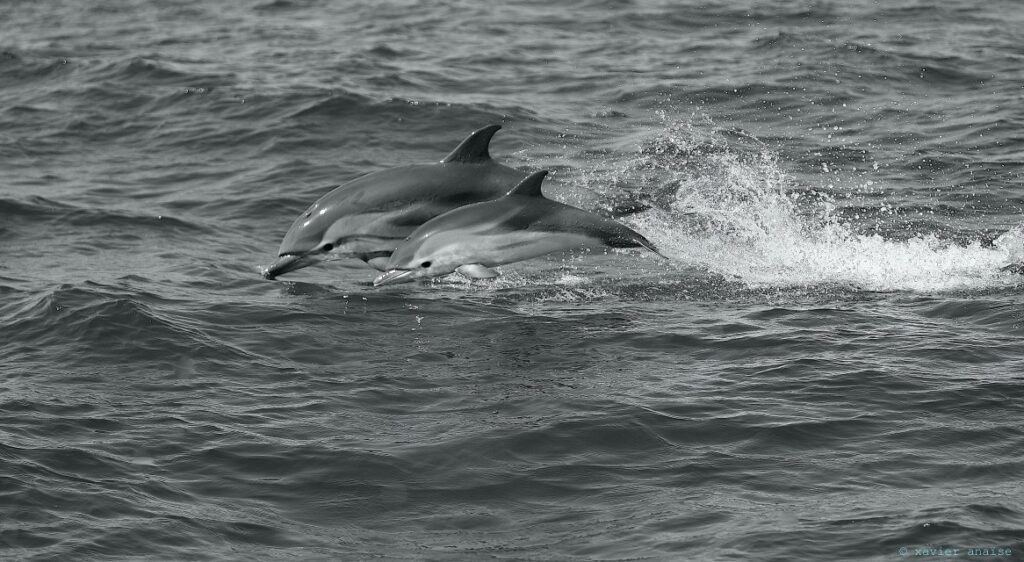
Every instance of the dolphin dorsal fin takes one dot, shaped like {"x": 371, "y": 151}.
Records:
{"x": 474, "y": 148}
{"x": 530, "y": 187}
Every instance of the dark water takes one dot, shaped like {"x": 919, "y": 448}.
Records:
{"x": 829, "y": 367}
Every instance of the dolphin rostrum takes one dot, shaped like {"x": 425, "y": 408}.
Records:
{"x": 367, "y": 217}
{"x": 521, "y": 225}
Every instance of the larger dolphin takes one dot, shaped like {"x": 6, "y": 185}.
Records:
{"x": 519, "y": 226}
{"x": 367, "y": 217}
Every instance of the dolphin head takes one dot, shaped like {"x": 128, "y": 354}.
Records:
{"x": 309, "y": 240}
{"x": 422, "y": 255}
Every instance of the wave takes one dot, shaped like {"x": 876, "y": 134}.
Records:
{"x": 18, "y": 67}
{"x": 80, "y": 324}
{"x": 346, "y": 104}
{"x": 115, "y": 75}
{"x": 157, "y": 70}
{"x": 26, "y": 216}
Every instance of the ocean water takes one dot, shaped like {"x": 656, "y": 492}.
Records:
{"x": 827, "y": 367}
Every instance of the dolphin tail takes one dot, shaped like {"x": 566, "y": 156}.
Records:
{"x": 645, "y": 243}
{"x": 625, "y": 237}
{"x": 1017, "y": 268}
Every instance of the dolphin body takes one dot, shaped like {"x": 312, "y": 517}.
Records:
{"x": 521, "y": 225}
{"x": 367, "y": 217}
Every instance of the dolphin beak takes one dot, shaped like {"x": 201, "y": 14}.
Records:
{"x": 394, "y": 277}
{"x": 287, "y": 263}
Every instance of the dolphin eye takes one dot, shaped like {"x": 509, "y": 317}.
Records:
{"x": 425, "y": 264}
{"x": 327, "y": 247}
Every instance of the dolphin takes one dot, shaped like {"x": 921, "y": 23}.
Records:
{"x": 367, "y": 217}
{"x": 521, "y": 225}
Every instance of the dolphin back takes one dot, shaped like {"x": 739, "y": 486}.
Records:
{"x": 552, "y": 216}
{"x": 542, "y": 214}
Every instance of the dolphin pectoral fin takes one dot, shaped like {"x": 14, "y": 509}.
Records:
{"x": 474, "y": 148}
{"x": 394, "y": 276}
{"x": 476, "y": 271}
{"x": 379, "y": 263}
{"x": 377, "y": 260}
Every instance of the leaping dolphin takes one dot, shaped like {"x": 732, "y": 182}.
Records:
{"x": 367, "y": 217}
{"x": 521, "y": 225}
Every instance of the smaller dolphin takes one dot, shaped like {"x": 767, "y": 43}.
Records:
{"x": 521, "y": 225}
{"x": 367, "y": 217}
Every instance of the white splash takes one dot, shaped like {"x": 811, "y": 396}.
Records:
{"x": 735, "y": 212}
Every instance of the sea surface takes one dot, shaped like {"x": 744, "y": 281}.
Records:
{"x": 828, "y": 366}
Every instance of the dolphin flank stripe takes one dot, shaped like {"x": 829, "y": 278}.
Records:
{"x": 362, "y": 237}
